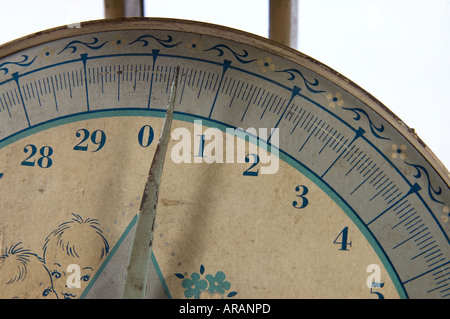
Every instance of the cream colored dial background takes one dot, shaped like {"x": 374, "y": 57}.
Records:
{"x": 209, "y": 214}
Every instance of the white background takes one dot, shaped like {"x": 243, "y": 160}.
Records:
{"x": 397, "y": 50}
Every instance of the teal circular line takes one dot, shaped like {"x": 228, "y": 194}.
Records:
{"x": 159, "y": 113}
{"x": 332, "y": 194}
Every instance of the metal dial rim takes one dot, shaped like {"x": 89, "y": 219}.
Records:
{"x": 240, "y": 37}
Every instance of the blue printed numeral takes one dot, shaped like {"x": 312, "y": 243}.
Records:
{"x": 302, "y": 200}
{"x": 248, "y": 171}
{"x": 343, "y": 235}
{"x": 44, "y": 161}
{"x": 98, "y": 138}
{"x": 146, "y": 136}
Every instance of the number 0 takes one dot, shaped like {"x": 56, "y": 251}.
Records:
{"x": 146, "y": 135}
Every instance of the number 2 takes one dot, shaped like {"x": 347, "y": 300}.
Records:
{"x": 248, "y": 171}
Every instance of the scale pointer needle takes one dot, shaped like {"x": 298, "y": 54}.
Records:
{"x": 139, "y": 262}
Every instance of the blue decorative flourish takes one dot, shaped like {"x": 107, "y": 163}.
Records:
{"x": 165, "y": 43}
{"x": 308, "y": 84}
{"x": 24, "y": 62}
{"x": 240, "y": 57}
{"x": 431, "y": 189}
{"x": 93, "y": 45}
{"x": 374, "y": 129}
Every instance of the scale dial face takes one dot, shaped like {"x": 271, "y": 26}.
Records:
{"x": 282, "y": 179}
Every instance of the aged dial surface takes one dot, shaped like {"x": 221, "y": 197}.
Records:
{"x": 283, "y": 179}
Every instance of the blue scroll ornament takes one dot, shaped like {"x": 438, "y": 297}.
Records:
{"x": 94, "y": 45}
{"x": 22, "y": 63}
{"x": 431, "y": 189}
{"x": 374, "y": 129}
{"x": 168, "y": 43}
{"x": 220, "y": 48}
{"x": 308, "y": 84}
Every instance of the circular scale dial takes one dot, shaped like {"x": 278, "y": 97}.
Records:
{"x": 282, "y": 178}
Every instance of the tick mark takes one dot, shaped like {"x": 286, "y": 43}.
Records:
{"x": 359, "y": 132}
{"x": 414, "y": 189}
{"x": 226, "y": 65}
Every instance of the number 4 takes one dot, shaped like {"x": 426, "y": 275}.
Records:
{"x": 344, "y": 239}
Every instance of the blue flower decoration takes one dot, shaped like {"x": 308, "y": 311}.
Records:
{"x": 194, "y": 286}
{"x": 218, "y": 283}
{"x": 213, "y": 284}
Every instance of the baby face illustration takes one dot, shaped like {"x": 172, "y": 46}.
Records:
{"x": 24, "y": 276}
{"x": 72, "y": 254}
{"x": 70, "y": 278}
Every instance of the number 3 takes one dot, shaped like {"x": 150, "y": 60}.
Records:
{"x": 304, "y": 201}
